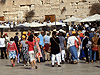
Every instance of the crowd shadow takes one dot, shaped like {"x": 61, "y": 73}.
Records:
{"x": 49, "y": 65}
{"x": 97, "y": 66}
{"x": 11, "y": 65}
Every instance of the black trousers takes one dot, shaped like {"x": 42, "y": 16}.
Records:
{"x": 86, "y": 54}
{"x": 3, "y": 50}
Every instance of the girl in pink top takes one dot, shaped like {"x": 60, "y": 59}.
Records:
{"x": 11, "y": 50}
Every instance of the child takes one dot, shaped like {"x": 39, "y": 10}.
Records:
{"x": 12, "y": 49}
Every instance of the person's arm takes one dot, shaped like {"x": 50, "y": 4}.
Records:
{"x": 65, "y": 44}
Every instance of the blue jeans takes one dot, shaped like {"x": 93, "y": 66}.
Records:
{"x": 90, "y": 50}
{"x": 43, "y": 55}
{"x": 94, "y": 58}
{"x": 82, "y": 54}
{"x": 73, "y": 51}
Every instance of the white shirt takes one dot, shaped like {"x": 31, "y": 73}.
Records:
{"x": 2, "y": 42}
{"x": 71, "y": 40}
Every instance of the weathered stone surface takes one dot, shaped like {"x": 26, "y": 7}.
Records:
{"x": 46, "y": 7}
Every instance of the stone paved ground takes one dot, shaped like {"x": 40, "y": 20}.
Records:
{"x": 44, "y": 68}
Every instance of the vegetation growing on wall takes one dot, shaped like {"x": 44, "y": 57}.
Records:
{"x": 95, "y": 9}
{"x": 2, "y": 1}
{"x": 29, "y": 15}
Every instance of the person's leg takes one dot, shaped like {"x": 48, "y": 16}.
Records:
{"x": 45, "y": 55}
{"x": 2, "y": 53}
{"x": 5, "y": 52}
{"x": 42, "y": 58}
{"x": 90, "y": 55}
{"x": 75, "y": 55}
{"x": 35, "y": 64}
{"x": 63, "y": 55}
{"x": 60, "y": 55}
{"x": 24, "y": 63}
{"x": 11, "y": 61}
{"x": 14, "y": 62}
{"x": 94, "y": 58}
{"x": 78, "y": 52}
{"x": 38, "y": 59}
{"x": 32, "y": 65}
{"x": 72, "y": 54}
{"x": 53, "y": 59}
{"x": 86, "y": 53}
{"x": 99, "y": 51}
{"x": 48, "y": 56}
{"x": 58, "y": 58}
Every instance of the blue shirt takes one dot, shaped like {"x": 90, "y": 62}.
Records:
{"x": 41, "y": 40}
{"x": 47, "y": 39}
{"x": 91, "y": 35}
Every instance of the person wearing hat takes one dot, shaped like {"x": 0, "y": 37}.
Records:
{"x": 73, "y": 50}
{"x": 63, "y": 46}
{"x": 84, "y": 45}
{"x": 95, "y": 47}
{"x": 24, "y": 33}
{"x": 91, "y": 34}
{"x": 55, "y": 49}
{"x": 24, "y": 49}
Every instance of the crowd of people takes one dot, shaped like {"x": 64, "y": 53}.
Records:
{"x": 56, "y": 46}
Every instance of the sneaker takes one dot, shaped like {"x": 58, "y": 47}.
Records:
{"x": 28, "y": 63}
{"x": 24, "y": 65}
{"x": 32, "y": 68}
{"x": 59, "y": 65}
{"x": 52, "y": 65}
{"x": 36, "y": 67}
{"x": 13, "y": 65}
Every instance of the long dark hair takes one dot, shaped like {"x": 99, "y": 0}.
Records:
{"x": 30, "y": 38}
{"x": 53, "y": 33}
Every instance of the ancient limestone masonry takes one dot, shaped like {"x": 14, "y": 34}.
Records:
{"x": 16, "y": 9}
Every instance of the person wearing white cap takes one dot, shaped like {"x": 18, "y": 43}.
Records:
{"x": 63, "y": 46}
{"x": 91, "y": 34}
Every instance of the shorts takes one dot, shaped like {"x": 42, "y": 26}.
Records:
{"x": 32, "y": 56}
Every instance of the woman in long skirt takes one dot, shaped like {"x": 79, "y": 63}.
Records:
{"x": 24, "y": 50}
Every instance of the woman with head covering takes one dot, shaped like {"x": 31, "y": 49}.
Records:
{"x": 24, "y": 50}
{"x": 84, "y": 45}
{"x": 94, "y": 46}
{"x": 73, "y": 50}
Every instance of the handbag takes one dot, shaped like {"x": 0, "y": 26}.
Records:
{"x": 57, "y": 43}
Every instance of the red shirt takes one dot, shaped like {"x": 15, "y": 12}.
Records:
{"x": 31, "y": 45}
{"x": 12, "y": 47}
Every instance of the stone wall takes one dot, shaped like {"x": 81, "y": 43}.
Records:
{"x": 16, "y": 9}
